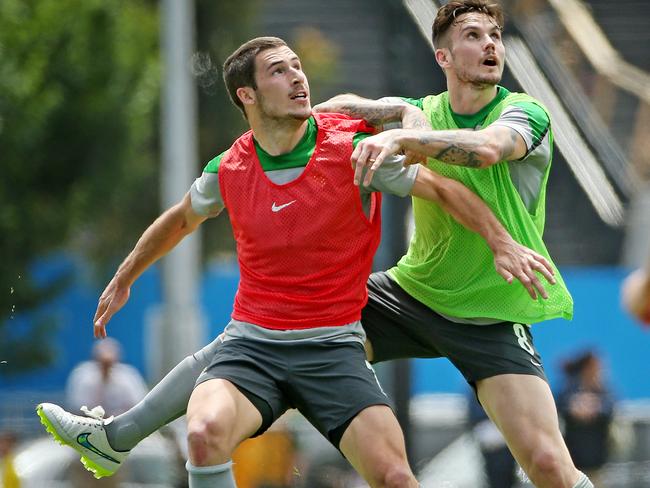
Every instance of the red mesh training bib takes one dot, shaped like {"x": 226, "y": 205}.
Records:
{"x": 305, "y": 248}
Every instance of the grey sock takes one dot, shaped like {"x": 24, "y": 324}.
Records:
{"x": 219, "y": 476}
{"x": 583, "y": 482}
{"x": 165, "y": 402}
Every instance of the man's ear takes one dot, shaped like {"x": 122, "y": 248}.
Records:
{"x": 442, "y": 57}
{"x": 246, "y": 95}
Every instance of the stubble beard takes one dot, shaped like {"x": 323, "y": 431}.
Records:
{"x": 478, "y": 80}
{"x": 275, "y": 117}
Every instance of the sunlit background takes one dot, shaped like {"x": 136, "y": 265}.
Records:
{"x": 109, "y": 110}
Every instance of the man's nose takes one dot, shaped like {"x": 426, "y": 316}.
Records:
{"x": 297, "y": 76}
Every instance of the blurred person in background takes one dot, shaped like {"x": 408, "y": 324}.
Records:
{"x": 103, "y": 386}
{"x": 586, "y": 405}
{"x": 498, "y": 462}
{"x": 8, "y": 476}
{"x": 168, "y": 399}
{"x": 105, "y": 381}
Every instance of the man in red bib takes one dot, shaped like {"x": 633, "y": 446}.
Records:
{"x": 305, "y": 239}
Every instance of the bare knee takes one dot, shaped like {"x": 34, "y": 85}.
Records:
{"x": 547, "y": 467}
{"x": 208, "y": 442}
{"x": 398, "y": 475}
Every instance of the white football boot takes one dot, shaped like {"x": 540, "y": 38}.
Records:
{"x": 84, "y": 434}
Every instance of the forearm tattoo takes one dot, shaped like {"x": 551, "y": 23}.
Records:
{"x": 461, "y": 153}
{"x": 459, "y": 156}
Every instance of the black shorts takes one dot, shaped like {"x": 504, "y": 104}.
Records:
{"x": 399, "y": 326}
{"x": 328, "y": 382}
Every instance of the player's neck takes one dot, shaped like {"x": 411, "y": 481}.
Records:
{"x": 468, "y": 99}
{"x": 278, "y": 136}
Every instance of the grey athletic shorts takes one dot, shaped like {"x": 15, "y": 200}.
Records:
{"x": 399, "y": 326}
{"x": 328, "y": 382}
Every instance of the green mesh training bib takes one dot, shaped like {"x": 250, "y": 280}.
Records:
{"x": 451, "y": 269}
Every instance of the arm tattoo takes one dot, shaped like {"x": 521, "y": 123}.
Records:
{"x": 457, "y": 155}
{"x": 414, "y": 118}
{"x": 461, "y": 153}
{"x": 375, "y": 114}
{"x": 418, "y": 123}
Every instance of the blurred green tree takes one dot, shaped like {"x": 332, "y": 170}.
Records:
{"x": 79, "y": 91}
{"x": 79, "y": 140}
{"x": 221, "y": 28}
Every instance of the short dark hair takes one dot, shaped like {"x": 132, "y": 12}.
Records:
{"x": 239, "y": 68}
{"x": 448, "y": 14}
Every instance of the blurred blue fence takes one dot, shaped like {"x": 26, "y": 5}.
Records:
{"x": 599, "y": 323}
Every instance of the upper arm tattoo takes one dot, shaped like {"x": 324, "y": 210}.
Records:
{"x": 374, "y": 113}
{"x": 416, "y": 122}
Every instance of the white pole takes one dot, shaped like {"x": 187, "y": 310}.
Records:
{"x": 179, "y": 324}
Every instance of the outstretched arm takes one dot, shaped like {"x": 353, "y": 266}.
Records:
{"x": 474, "y": 149}
{"x": 376, "y": 112}
{"x": 511, "y": 259}
{"x": 159, "y": 238}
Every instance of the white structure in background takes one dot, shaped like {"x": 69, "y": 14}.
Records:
{"x": 176, "y": 328}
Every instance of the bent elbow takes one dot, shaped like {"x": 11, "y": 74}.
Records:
{"x": 189, "y": 225}
{"x": 490, "y": 154}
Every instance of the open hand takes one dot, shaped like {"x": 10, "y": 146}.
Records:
{"x": 514, "y": 261}
{"x": 371, "y": 152}
{"x": 111, "y": 300}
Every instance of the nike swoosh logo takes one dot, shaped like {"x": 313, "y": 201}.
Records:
{"x": 535, "y": 363}
{"x": 83, "y": 440}
{"x": 277, "y": 208}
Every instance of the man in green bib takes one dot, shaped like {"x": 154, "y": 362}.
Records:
{"x": 443, "y": 298}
